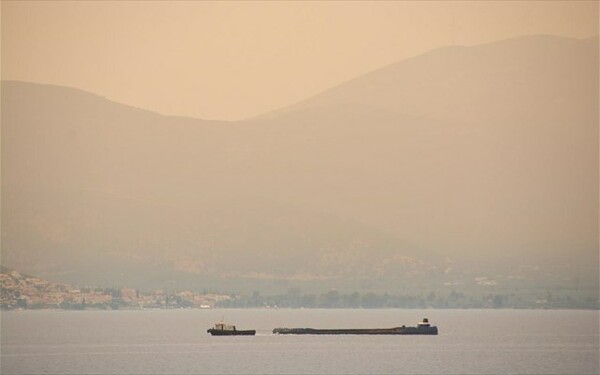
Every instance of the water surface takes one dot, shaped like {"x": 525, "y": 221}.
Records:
{"x": 176, "y": 342}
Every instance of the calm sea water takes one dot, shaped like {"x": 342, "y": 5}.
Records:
{"x": 176, "y": 342}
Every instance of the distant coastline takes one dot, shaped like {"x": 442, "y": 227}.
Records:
{"x": 23, "y": 292}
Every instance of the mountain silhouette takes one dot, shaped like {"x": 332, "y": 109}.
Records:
{"x": 486, "y": 153}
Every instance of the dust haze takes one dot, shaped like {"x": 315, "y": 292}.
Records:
{"x": 430, "y": 159}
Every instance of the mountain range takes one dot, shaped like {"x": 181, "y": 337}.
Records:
{"x": 458, "y": 163}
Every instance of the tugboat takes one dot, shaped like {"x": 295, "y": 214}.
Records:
{"x": 422, "y": 328}
{"x": 222, "y": 329}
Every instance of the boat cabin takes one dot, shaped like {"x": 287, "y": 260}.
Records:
{"x": 423, "y": 323}
{"x": 221, "y": 326}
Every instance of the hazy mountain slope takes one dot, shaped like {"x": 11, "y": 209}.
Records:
{"x": 492, "y": 148}
{"x": 489, "y": 152}
{"x": 514, "y": 79}
{"x": 100, "y": 193}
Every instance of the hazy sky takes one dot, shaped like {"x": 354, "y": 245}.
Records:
{"x": 233, "y": 60}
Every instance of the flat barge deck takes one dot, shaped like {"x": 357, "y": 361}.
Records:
{"x": 422, "y": 328}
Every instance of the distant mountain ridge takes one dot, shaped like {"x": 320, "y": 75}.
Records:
{"x": 484, "y": 153}
{"x": 397, "y": 88}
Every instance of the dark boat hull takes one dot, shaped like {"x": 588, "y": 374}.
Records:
{"x": 374, "y": 331}
{"x": 220, "y": 332}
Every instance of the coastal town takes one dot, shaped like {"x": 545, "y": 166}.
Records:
{"x": 20, "y": 291}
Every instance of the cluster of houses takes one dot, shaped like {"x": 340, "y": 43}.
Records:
{"x": 20, "y": 291}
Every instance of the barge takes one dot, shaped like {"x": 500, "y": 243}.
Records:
{"x": 422, "y": 328}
